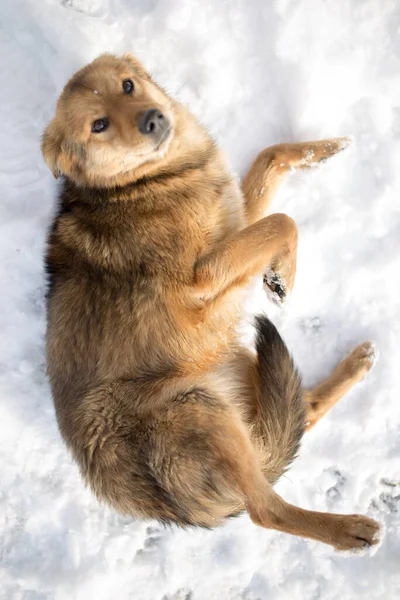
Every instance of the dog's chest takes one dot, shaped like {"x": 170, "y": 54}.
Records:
{"x": 233, "y": 208}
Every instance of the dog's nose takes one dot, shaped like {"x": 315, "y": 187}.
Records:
{"x": 153, "y": 122}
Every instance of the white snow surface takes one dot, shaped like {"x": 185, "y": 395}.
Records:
{"x": 256, "y": 72}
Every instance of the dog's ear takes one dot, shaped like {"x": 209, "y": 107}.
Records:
{"x": 63, "y": 156}
{"x": 51, "y": 146}
{"x": 136, "y": 65}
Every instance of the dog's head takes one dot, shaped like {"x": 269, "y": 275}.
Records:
{"x": 111, "y": 120}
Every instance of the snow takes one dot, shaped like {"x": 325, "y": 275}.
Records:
{"x": 256, "y": 73}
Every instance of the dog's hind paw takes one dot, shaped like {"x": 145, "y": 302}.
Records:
{"x": 356, "y": 532}
{"x": 361, "y": 360}
{"x": 274, "y": 287}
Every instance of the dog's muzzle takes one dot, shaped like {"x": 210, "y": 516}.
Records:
{"x": 153, "y": 123}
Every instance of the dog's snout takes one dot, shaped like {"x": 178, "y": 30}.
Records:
{"x": 153, "y": 122}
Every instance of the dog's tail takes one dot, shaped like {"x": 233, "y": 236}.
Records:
{"x": 281, "y": 417}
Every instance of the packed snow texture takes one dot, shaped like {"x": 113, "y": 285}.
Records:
{"x": 256, "y": 72}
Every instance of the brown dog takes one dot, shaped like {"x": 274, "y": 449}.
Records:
{"x": 167, "y": 415}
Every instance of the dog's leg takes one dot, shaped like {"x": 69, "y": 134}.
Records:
{"x": 238, "y": 468}
{"x": 271, "y": 242}
{"x": 343, "y": 532}
{"x": 349, "y": 372}
{"x": 272, "y": 165}
{"x": 267, "y": 509}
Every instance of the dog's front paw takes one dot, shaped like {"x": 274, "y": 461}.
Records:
{"x": 275, "y": 287}
{"x": 319, "y": 152}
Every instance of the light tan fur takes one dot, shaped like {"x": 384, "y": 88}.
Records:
{"x": 167, "y": 415}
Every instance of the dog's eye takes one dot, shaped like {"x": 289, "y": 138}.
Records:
{"x": 100, "y": 125}
{"x": 127, "y": 86}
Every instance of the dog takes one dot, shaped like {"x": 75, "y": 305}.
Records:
{"x": 166, "y": 413}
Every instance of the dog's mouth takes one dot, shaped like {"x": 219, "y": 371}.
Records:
{"x": 166, "y": 136}
{"x": 133, "y": 158}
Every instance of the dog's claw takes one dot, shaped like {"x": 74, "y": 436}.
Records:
{"x": 274, "y": 287}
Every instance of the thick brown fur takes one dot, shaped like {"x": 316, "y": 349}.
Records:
{"x": 167, "y": 415}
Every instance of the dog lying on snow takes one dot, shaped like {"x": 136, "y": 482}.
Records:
{"x": 167, "y": 415}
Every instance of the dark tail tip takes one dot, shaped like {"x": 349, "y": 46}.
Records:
{"x": 281, "y": 404}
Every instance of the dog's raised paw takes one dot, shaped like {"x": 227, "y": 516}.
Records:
{"x": 316, "y": 153}
{"x": 274, "y": 287}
